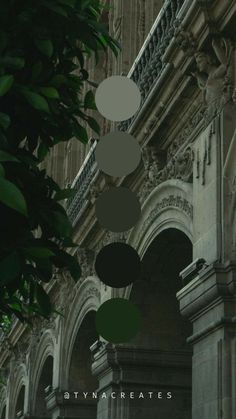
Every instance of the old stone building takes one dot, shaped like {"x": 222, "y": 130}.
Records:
{"x": 182, "y": 55}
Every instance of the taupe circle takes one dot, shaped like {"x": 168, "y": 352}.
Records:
{"x": 118, "y": 98}
{"x": 118, "y": 209}
{"x": 118, "y": 154}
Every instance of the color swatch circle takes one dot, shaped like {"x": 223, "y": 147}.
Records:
{"x": 118, "y": 98}
{"x": 118, "y": 265}
{"x": 118, "y": 209}
{"x": 118, "y": 320}
{"x": 118, "y": 154}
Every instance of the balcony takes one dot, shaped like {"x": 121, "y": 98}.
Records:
{"x": 146, "y": 72}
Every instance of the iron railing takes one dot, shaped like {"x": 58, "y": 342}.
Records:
{"x": 146, "y": 70}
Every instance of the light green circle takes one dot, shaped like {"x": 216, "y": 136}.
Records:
{"x": 118, "y": 98}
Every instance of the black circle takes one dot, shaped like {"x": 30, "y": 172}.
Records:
{"x": 118, "y": 265}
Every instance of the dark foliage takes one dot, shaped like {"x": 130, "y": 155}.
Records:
{"x": 43, "y": 44}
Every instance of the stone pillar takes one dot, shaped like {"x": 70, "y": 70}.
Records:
{"x": 209, "y": 301}
{"x": 209, "y": 298}
{"x": 142, "y": 383}
{"x": 65, "y": 405}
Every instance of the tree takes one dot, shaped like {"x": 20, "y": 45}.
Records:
{"x": 42, "y": 49}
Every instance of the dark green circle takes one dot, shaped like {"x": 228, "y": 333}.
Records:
{"x": 118, "y": 320}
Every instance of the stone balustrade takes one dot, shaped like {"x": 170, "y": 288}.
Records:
{"x": 145, "y": 71}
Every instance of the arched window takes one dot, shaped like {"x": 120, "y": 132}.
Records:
{"x": 45, "y": 380}
{"x": 164, "y": 332}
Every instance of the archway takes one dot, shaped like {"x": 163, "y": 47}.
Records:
{"x": 19, "y": 410}
{"x": 45, "y": 380}
{"x": 162, "y": 339}
{"x": 80, "y": 378}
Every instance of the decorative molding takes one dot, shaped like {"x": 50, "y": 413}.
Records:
{"x": 204, "y": 159}
{"x": 92, "y": 291}
{"x": 86, "y": 258}
{"x": 171, "y": 201}
{"x": 179, "y": 166}
{"x": 141, "y": 21}
{"x": 185, "y": 39}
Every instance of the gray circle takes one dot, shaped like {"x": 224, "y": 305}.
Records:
{"x": 118, "y": 209}
{"x": 118, "y": 98}
{"x": 118, "y": 154}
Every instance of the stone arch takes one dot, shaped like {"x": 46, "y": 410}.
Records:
{"x": 42, "y": 370}
{"x": 163, "y": 234}
{"x": 86, "y": 300}
{"x": 168, "y": 206}
{"x": 18, "y": 384}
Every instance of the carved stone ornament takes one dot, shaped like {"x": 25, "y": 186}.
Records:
{"x": 185, "y": 39}
{"x": 86, "y": 258}
{"x": 202, "y": 160}
{"x": 178, "y": 166}
{"x": 171, "y": 201}
{"x": 214, "y": 76}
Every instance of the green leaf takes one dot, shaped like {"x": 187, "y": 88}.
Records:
{"x": 15, "y": 63}
{"x": 68, "y": 242}
{"x": 73, "y": 267}
{"x": 12, "y": 197}
{"x": 43, "y": 300}
{"x": 89, "y": 101}
{"x": 44, "y": 269}
{"x": 5, "y": 84}
{"x": 94, "y": 125}
{"x": 38, "y": 252}
{"x": 61, "y": 224}
{"x": 84, "y": 74}
{"x": 80, "y": 132}
{"x": 3, "y": 40}
{"x": 2, "y": 171}
{"x": 36, "y": 70}
{"x": 70, "y": 3}
{"x": 85, "y": 3}
{"x": 42, "y": 151}
{"x": 4, "y": 120}
{"x": 4, "y": 156}
{"x": 65, "y": 260}
{"x": 36, "y": 101}
{"x": 57, "y": 9}
{"x": 45, "y": 46}
{"x": 3, "y": 140}
{"x": 50, "y": 92}
{"x": 58, "y": 80}
{"x": 9, "y": 268}
{"x": 64, "y": 194}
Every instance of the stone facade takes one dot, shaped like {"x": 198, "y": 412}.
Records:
{"x": 183, "y": 361}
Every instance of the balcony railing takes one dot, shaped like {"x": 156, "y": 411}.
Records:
{"x": 146, "y": 70}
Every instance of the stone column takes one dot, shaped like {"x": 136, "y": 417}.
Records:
{"x": 209, "y": 301}
{"x": 209, "y": 298}
{"x": 62, "y": 404}
{"x": 136, "y": 382}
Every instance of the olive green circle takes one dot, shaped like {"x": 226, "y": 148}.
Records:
{"x": 118, "y": 154}
{"x": 118, "y": 209}
{"x": 118, "y": 98}
{"x": 118, "y": 320}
